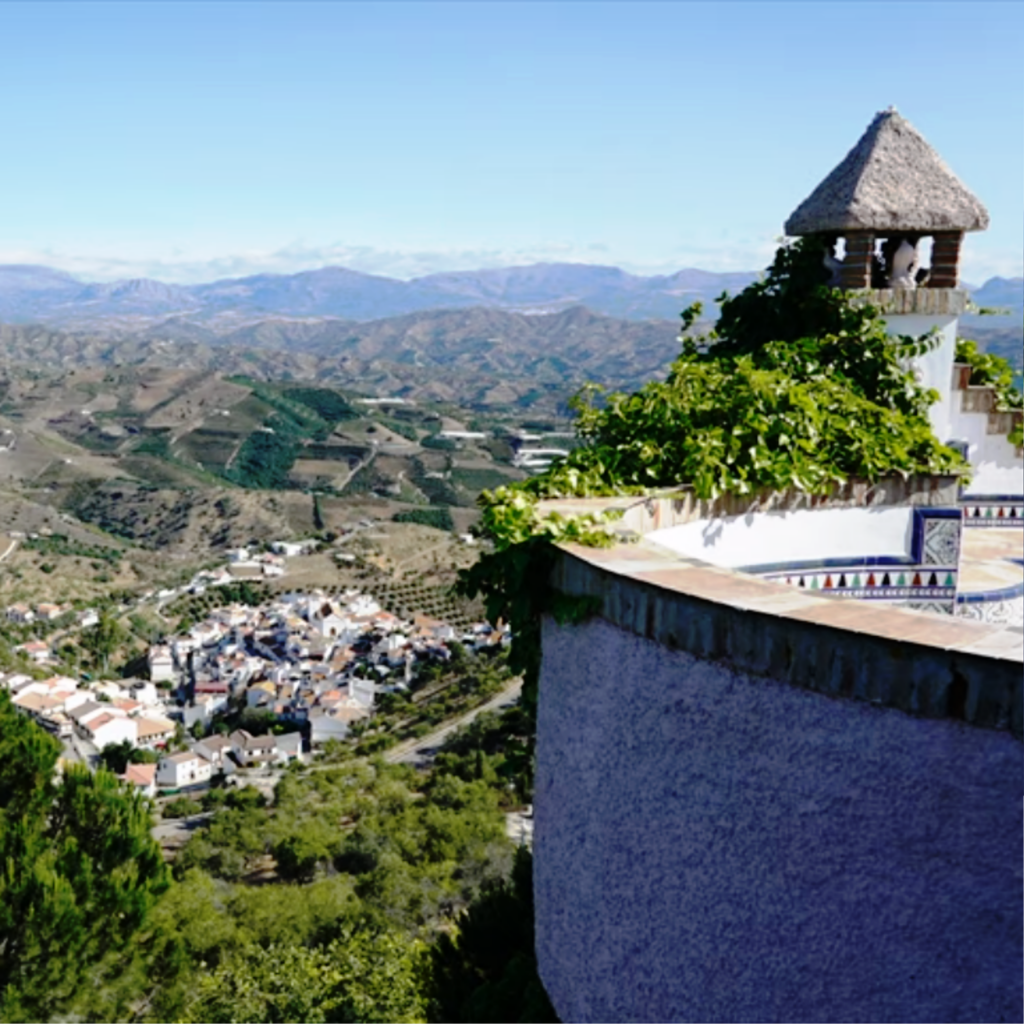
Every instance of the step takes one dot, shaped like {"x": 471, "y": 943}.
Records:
{"x": 1000, "y": 422}
{"x": 961, "y": 376}
{"x": 978, "y": 398}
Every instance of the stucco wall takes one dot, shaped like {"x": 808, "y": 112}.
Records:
{"x": 935, "y": 368}
{"x": 997, "y": 469}
{"x": 714, "y": 846}
{"x": 793, "y": 536}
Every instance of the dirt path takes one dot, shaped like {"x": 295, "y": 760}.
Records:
{"x": 10, "y": 549}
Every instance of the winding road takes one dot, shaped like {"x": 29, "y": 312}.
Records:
{"x": 421, "y": 751}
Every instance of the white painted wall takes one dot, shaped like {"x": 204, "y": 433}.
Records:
{"x": 997, "y": 470}
{"x": 936, "y": 367}
{"x": 711, "y": 846}
{"x": 189, "y": 772}
{"x": 115, "y": 731}
{"x": 802, "y": 536}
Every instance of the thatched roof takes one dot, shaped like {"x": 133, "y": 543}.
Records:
{"x": 892, "y": 180}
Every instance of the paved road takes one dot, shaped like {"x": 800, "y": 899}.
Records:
{"x": 81, "y": 751}
{"x": 421, "y": 751}
{"x": 10, "y": 549}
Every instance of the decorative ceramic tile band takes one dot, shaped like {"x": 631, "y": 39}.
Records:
{"x": 879, "y": 579}
{"x": 989, "y": 512}
{"x": 914, "y": 588}
{"x": 925, "y": 579}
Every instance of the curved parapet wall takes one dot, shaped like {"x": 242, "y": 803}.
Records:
{"x": 897, "y": 554}
{"x": 756, "y": 803}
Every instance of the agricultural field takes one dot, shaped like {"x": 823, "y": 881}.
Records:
{"x": 190, "y": 464}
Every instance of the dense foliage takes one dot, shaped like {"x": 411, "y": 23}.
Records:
{"x": 486, "y": 971}
{"x": 79, "y": 871}
{"x": 439, "y": 518}
{"x": 798, "y": 387}
{"x": 301, "y": 414}
{"x": 116, "y": 757}
{"x": 327, "y": 404}
{"x": 326, "y": 903}
{"x": 266, "y": 456}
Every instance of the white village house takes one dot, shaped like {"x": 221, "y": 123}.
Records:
{"x": 188, "y": 768}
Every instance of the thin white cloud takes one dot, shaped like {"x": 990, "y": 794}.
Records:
{"x": 979, "y": 262}
{"x": 178, "y": 267}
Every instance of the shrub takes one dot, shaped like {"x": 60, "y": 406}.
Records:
{"x": 438, "y": 518}
{"x": 181, "y": 807}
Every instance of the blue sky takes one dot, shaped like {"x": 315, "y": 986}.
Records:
{"x": 189, "y": 141}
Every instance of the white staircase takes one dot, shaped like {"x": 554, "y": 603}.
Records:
{"x": 977, "y": 421}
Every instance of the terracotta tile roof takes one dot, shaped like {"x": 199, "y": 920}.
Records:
{"x": 153, "y": 727}
{"x": 182, "y": 757}
{"x": 101, "y": 720}
{"x": 140, "y": 774}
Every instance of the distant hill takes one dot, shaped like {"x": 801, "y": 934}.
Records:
{"x": 482, "y": 358}
{"x": 29, "y": 293}
{"x": 524, "y": 336}
{"x": 1002, "y": 292}
{"x": 207, "y": 311}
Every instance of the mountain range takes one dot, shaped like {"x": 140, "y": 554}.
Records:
{"x": 518, "y": 335}
{"x": 44, "y": 295}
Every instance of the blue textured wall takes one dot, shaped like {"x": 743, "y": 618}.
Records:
{"x": 715, "y": 847}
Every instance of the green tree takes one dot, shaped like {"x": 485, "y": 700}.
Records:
{"x": 798, "y": 386}
{"x": 299, "y": 854}
{"x": 117, "y": 756}
{"x": 103, "y": 639}
{"x": 181, "y": 807}
{"x": 487, "y": 969}
{"x": 363, "y": 976}
{"x": 79, "y": 870}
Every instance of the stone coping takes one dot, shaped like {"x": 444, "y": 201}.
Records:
{"x": 923, "y": 301}
{"x": 661, "y": 509}
{"x": 923, "y": 664}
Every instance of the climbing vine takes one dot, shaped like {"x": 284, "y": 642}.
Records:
{"x": 796, "y": 387}
{"x": 515, "y": 578}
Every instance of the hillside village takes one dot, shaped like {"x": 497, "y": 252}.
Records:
{"x": 305, "y": 666}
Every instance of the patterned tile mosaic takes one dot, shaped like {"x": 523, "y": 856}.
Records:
{"x": 935, "y": 607}
{"x": 926, "y": 579}
{"x": 941, "y": 545}
{"x": 1002, "y": 613}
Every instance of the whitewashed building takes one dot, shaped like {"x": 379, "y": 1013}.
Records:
{"x": 188, "y": 768}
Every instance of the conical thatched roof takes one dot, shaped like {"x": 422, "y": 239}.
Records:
{"x": 892, "y": 180}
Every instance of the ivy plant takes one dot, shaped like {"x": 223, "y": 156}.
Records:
{"x": 798, "y": 386}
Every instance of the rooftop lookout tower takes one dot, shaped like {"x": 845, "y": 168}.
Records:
{"x": 889, "y": 200}
{"x": 890, "y": 192}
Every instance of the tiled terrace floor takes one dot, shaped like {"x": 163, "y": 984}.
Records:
{"x": 987, "y": 559}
